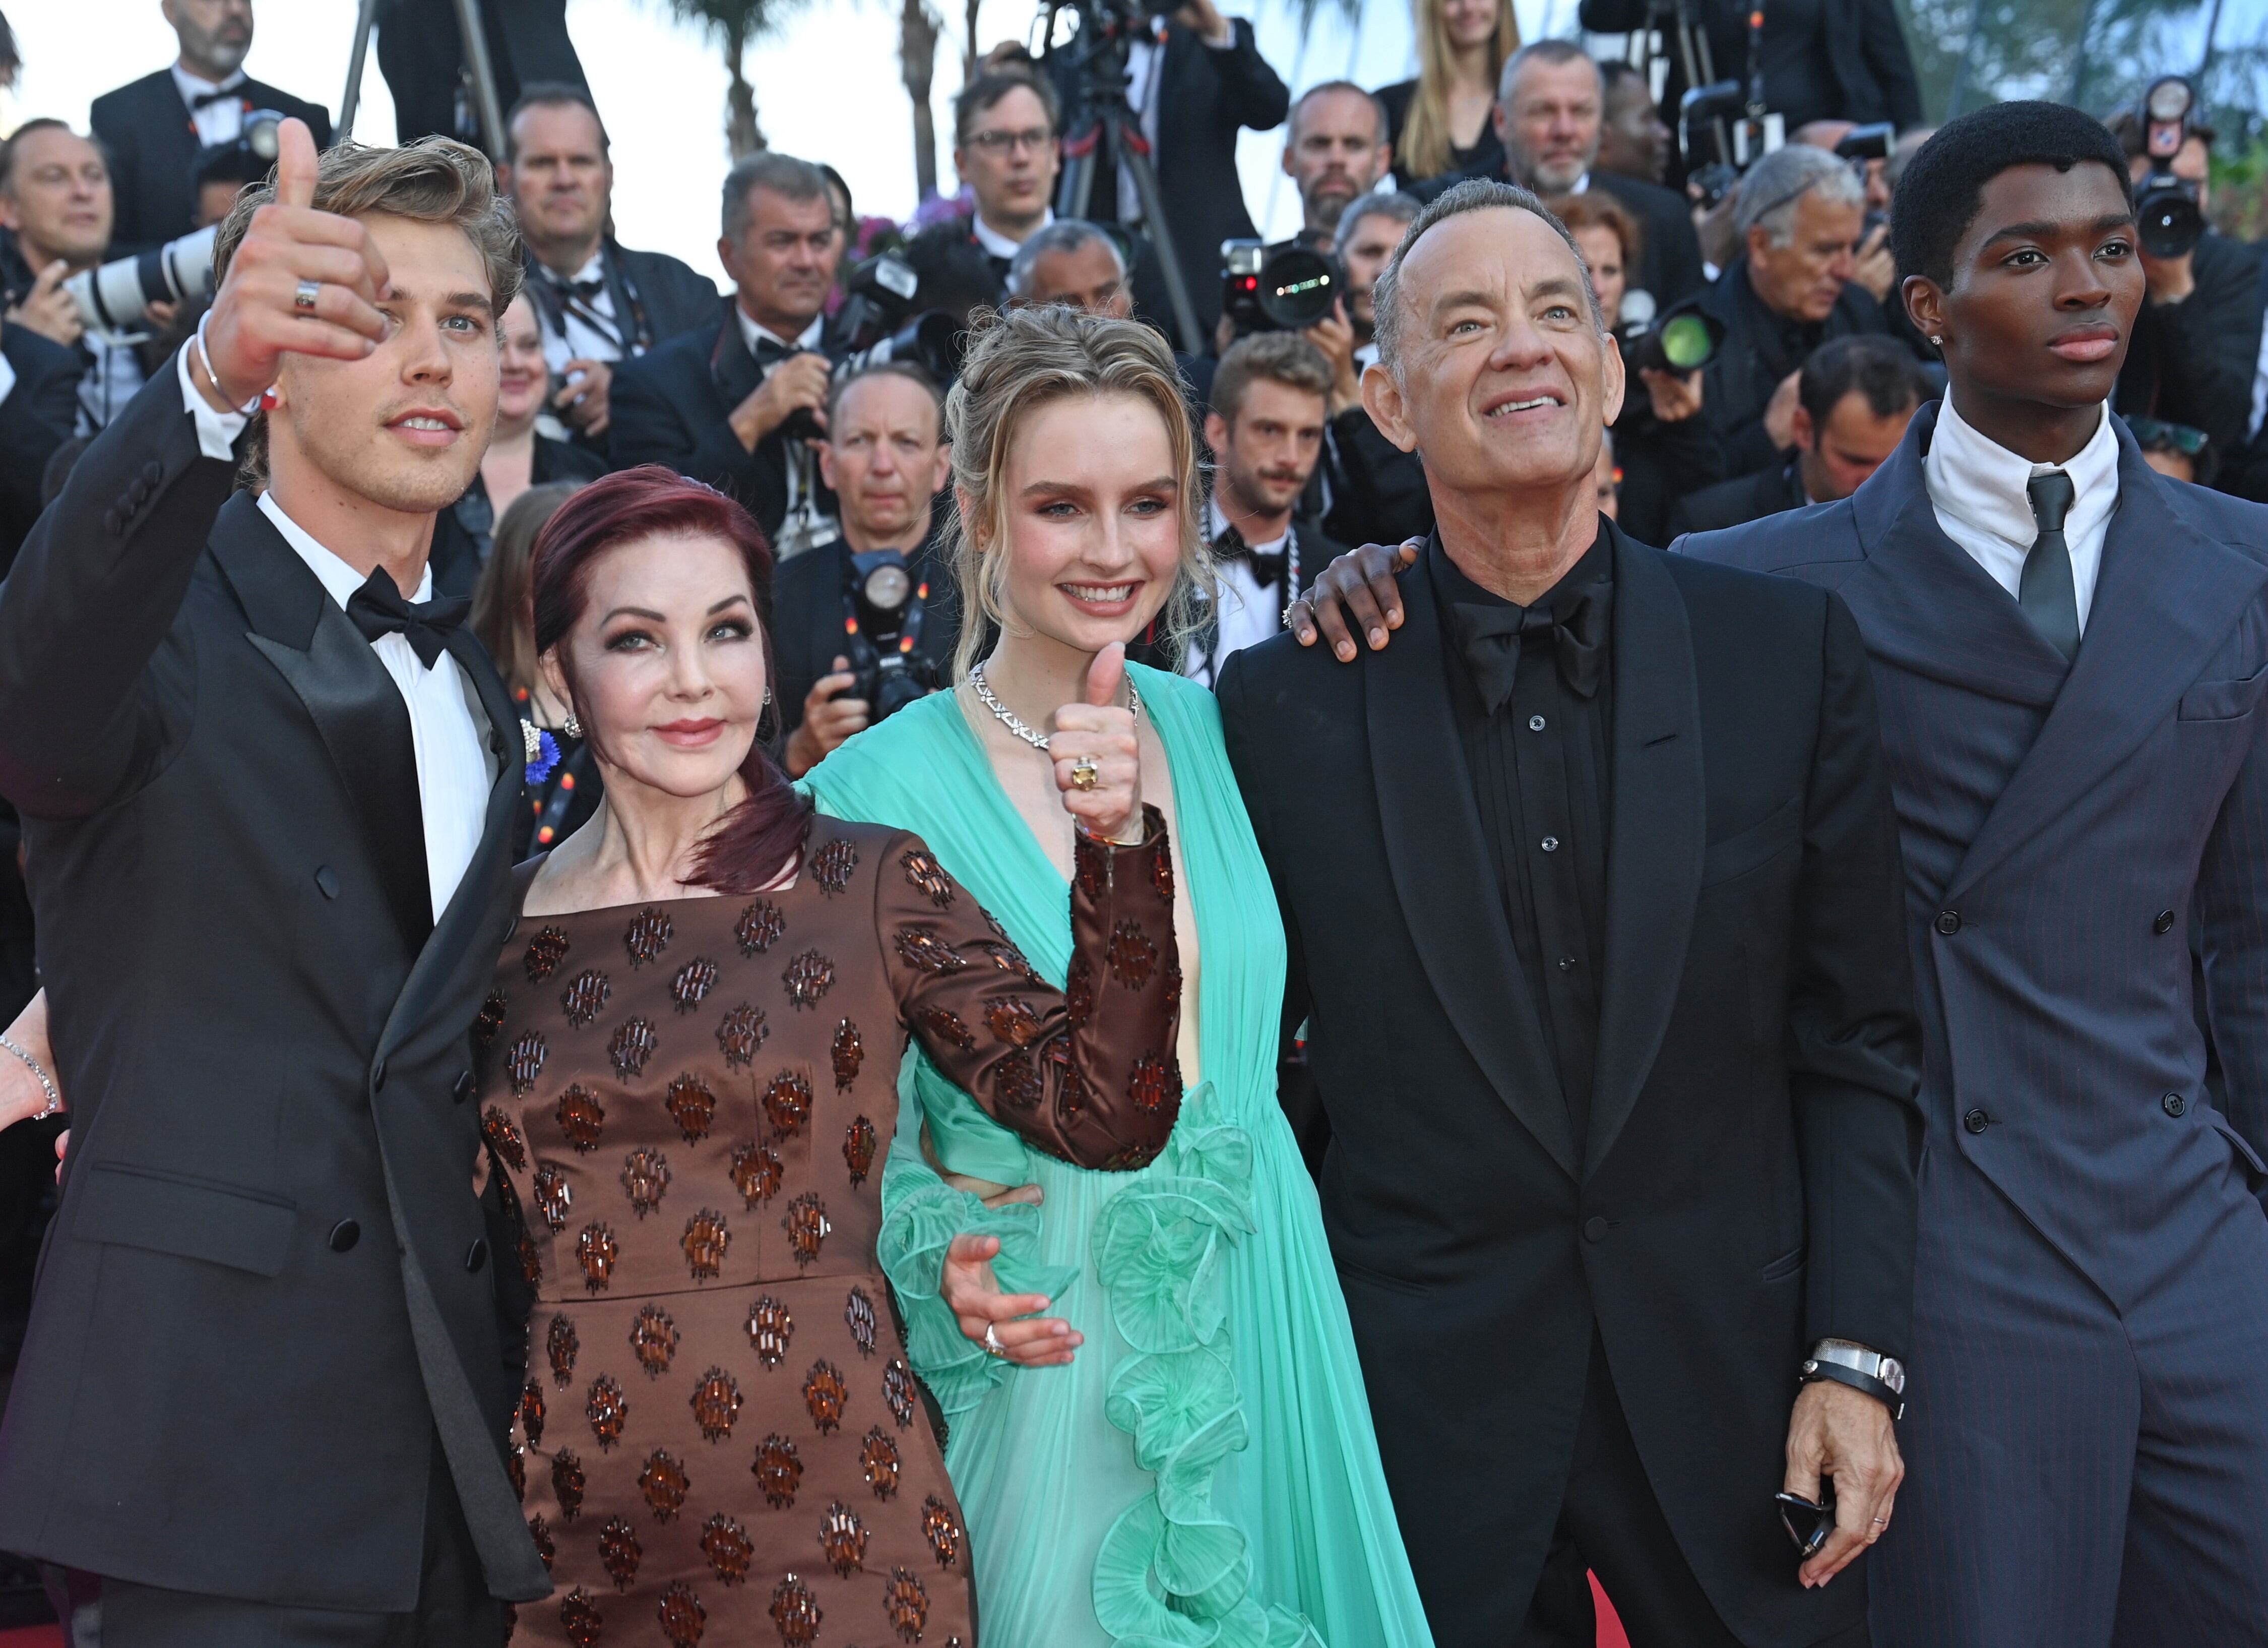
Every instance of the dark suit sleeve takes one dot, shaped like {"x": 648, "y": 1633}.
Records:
{"x": 38, "y": 415}
{"x": 648, "y": 424}
{"x": 1854, "y": 1044}
{"x": 1680, "y": 251}
{"x": 1377, "y": 490}
{"x": 1251, "y": 92}
{"x": 1884, "y": 43}
{"x": 2232, "y": 916}
{"x": 2203, "y": 382}
{"x": 93, "y": 592}
{"x": 111, "y": 119}
{"x": 1611, "y": 16}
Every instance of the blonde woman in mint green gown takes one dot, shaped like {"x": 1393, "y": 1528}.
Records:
{"x": 1203, "y": 1470}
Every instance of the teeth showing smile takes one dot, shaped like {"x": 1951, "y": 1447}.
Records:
{"x": 424, "y": 422}
{"x": 1524, "y": 406}
{"x": 1100, "y": 594}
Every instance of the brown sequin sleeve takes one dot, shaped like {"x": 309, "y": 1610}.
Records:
{"x": 1087, "y": 1073}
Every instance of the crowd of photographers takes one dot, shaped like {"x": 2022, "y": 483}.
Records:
{"x": 1772, "y": 365}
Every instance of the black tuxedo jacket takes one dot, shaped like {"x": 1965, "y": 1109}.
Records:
{"x": 269, "y": 1284}
{"x": 38, "y": 415}
{"x": 1746, "y": 1185}
{"x": 1736, "y": 502}
{"x": 153, "y": 148}
{"x": 672, "y": 405}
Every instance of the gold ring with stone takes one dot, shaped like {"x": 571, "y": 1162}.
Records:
{"x": 1085, "y": 775}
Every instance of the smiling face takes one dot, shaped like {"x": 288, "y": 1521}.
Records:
{"x": 1093, "y": 520}
{"x": 2045, "y": 292}
{"x": 405, "y": 427}
{"x": 666, "y": 665}
{"x": 521, "y": 378}
{"x": 1469, "y": 23}
{"x": 1503, "y": 381}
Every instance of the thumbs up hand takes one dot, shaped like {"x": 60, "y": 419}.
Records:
{"x": 1097, "y": 760}
{"x": 257, "y": 317}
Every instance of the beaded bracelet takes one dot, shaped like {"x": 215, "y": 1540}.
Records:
{"x": 47, "y": 1084}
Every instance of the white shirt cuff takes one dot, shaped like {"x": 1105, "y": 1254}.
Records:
{"x": 217, "y": 432}
{"x": 7, "y": 376}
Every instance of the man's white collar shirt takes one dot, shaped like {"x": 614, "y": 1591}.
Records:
{"x": 997, "y": 244}
{"x": 453, "y": 771}
{"x": 1248, "y": 614}
{"x": 752, "y": 334}
{"x": 1976, "y": 490}
{"x": 221, "y": 121}
{"x": 1146, "y": 63}
{"x": 576, "y": 338}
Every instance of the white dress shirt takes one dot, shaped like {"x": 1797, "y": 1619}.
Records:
{"x": 577, "y": 339}
{"x": 221, "y": 121}
{"x": 1248, "y": 614}
{"x": 997, "y": 244}
{"x": 752, "y": 334}
{"x": 1976, "y": 490}
{"x": 1145, "y": 63}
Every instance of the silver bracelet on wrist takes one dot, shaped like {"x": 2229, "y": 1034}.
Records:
{"x": 46, "y": 1083}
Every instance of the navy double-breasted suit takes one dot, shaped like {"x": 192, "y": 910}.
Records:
{"x": 2088, "y": 1436}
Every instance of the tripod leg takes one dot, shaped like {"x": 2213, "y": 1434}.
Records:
{"x": 483, "y": 73}
{"x": 1153, "y": 225}
{"x": 364, "y": 17}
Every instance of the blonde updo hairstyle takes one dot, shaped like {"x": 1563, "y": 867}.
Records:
{"x": 1025, "y": 359}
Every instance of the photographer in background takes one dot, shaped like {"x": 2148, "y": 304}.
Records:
{"x": 1072, "y": 262}
{"x": 1266, "y": 430}
{"x": 596, "y": 301}
{"x": 55, "y": 206}
{"x": 1853, "y": 400}
{"x": 154, "y": 128}
{"x": 1377, "y": 492}
{"x": 1335, "y": 150}
{"x": 885, "y": 458}
{"x": 1007, "y": 146}
{"x": 1801, "y": 218}
{"x": 731, "y": 403}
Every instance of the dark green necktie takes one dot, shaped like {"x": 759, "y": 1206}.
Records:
{"x": 2046, "y": 593}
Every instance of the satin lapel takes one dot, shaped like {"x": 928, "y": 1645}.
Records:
{"x": 459, "y": 932}
{"x": 731, "y": 366}
{"x": 353, "y": 702}
{"x": 1440, "y": 868}
{"x": 2168, "y": 592}
{"x": 1656, "y": 834}
{"x": 1922, "y": 601}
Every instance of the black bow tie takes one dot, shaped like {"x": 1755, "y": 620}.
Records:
{"x": 206, "y": 99}
{"x": 1270, "y": 567}
{"x": 588, "y": 291}
{"x": 377, "y": 609}
{"x": 1493, "y": 637}
{"x": 771, "y": 351}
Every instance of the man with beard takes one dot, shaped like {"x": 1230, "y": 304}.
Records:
{"x": 269, "y": 791}
{"x": 1335, "y": 152}
{"x": 154, "y": 126}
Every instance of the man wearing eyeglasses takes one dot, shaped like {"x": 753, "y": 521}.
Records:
{"x": 1007, "y": 148}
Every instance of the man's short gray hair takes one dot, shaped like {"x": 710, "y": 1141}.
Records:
{"x": 1065, "y": 235}
{"x": 1553, "y": 52}
{"x": 1475, "y": 194}
{"x": 1775, "y": 186}
{"x": 1331, "y": 87}
{"x": 1401, "y": 207}
{"x": 782, "y": 174}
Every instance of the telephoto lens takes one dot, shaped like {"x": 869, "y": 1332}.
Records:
{"x": 1286, "y": 287}
{"x": 113, "y": 298}
{"x": 1681, "y": 341}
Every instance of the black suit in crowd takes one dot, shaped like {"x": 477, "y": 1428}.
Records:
{"x": 1608, "y": 1008}
{"x": 464, "y": 532}
{"x": 153, "y": 149}
{"x": 673, "y": 405}
{"x": 38, "y": 415}
{"x": 810, "y": 593}
{"x": 1378, "y": 492}
{"x": 2188, "y": 363}
{"x": 1736, "y": 502}
{"x": 1661, "y": 463}
{"x": 263, "y": 1364}
{"x": 2244, "y": 467}
{"x": 422, "y": 55}
{"x": 1669, "y": 255}
{"x": 1205, "y": 96}
{"x": 655, "y": 297}
{"x": 1762, "y": 347}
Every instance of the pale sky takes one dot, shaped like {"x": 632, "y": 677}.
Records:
{"x": 827, "y": 89}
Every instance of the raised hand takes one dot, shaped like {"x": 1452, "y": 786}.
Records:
{"x": 256, "y": 319}
{"x": 1097, "y": 761}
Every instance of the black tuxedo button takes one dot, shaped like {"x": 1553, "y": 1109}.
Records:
{"x": 465, "y": 1086}
{"x": 1976, "y": 1121}
{"x": 328, "y": 879}
{"x": 140, "y": 491}
{"x": 114, "y": 522}
{"x": 1566, "y": 963}
{"x": 477, "y": 1254}
{"x": 377, "y": 1078}
{"x": 2175, "y": 1104}
{"x": 153, "y": 473}
{"x": 344, "y": 1235}
{"x": 2164, "y": 924}
{"x": 1948, "y": 922}
{"x": 1595, "y": 1228}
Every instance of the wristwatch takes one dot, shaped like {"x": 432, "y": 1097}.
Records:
{"x": 1881, "y": 1377}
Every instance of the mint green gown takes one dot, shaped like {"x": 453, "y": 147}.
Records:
{"x": 1205, "y": 1473}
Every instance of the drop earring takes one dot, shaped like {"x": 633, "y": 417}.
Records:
{"x": 572, "y": 728}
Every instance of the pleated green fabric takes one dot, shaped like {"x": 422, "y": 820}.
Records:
{"x": 1204, "y": 1474}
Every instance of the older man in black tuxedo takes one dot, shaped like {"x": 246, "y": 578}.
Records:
{"x": 1591, "y": 884}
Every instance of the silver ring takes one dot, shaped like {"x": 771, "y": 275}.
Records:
{"x": 992, "y": 1345}
{"x": 306, "y": 295}
{"x": 1881, "y": 1522}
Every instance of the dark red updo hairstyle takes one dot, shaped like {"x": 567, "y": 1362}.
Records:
{"x": 762, "y": 837}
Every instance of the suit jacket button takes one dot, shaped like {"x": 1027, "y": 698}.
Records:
{"x": 377, "y": 1077}
{"x": 2164, "y": 924}
{"x": 2175, "y": 1104}
{"x": 153, "y": 472}
{"x": 344, "y": 1235}
{"x": 477, "y": 1254}
{"x": 328, "y": 879}
{"x": 1976, "y": 1121}
{"x": 112, "y": 522}
{"x": 1595, "y": 1228}
{"x": 466, "y": 1086}
{"x": 1948, "y": 922}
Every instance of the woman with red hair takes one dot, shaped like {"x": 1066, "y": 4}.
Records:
{"x": 688, "y": 1069}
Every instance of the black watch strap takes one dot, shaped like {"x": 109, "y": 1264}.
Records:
{"x": 1857, "y": 1381}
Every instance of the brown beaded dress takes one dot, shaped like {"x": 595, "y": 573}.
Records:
{"x": 689, "y": 1102}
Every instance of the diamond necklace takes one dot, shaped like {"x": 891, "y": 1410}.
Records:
{"x": 1014, "y": 723}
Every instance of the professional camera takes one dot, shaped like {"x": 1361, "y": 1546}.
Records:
{"x": 2165, "y": 206}
{"x": 1681, "y": 340}
{"x": 882, "y": 323}
{"x": 1861, "y": 146}
{"x": 1286, "y": 287}
{"x": 882, "y": 613}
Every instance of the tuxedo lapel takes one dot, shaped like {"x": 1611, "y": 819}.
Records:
{"x": 1439, "y": 864}
{"x": 732, "y": 368}
{"x": 347, "y": 694}
{"x": 2168, "y": 591}
{"x": 1657, "y": 833}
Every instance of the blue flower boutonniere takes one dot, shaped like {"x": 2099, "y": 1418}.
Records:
{"x": 542, "y": 751}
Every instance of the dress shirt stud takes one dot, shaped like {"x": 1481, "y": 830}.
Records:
{"x": 1536, "y": 723}
{"x": 1550, "y": 844}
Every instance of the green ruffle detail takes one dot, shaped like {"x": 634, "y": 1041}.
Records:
{"x": 1173, "y": 1572}
{"x": 925, "y": 1215}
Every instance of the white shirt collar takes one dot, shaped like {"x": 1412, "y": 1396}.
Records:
{"x": 595, "y": 270}
{"x": 339, "y": 579}
{"x": 1981, "y": 484}
{"x": 751, "y": 333}
{"x": 1217, "y": 523}
{"x": 996, "y": 243}
{"x": 193, "y": 87}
